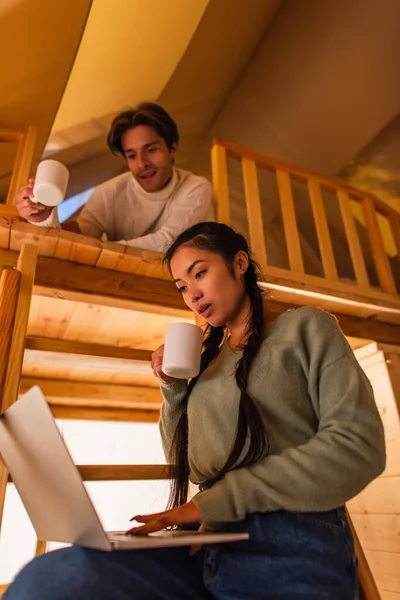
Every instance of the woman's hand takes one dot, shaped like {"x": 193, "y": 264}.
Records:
{"x": 156, "y": 365}
{"x": 187, "y": 513}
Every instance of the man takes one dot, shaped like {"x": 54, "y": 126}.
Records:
{"x": 146, "y": 207}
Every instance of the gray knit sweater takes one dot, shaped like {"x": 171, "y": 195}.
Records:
{"x": 326, "y": 440}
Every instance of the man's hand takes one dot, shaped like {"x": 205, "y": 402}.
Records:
{"x": 32, "y": 211}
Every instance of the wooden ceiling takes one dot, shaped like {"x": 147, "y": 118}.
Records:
{"x": 39, "y": 43}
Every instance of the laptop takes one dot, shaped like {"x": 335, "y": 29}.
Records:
{"x": 52, "y": 491}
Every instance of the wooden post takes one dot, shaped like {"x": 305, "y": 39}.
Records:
{"x": 27, "y": 267}
{"x": 220, "y": 183}
{"x": 41, "y": 547}
{"x": 290, "y": 222}
{"x": 352, "y": 238}
{"x": 9, "y": 287}
{"x": 23, "y": 162}
{"x": 377, "y": 247}
{"x": 254, "y": 213}
{"x": 321, "y": 226}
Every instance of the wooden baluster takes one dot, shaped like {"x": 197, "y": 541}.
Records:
{"x": 290, "y": 222}
{"x": 9, "y": 287}
{"x": 27, "y": 267}
{"x": 41, "y": 547}
{"x": 321, "y": 226}
{"x": 22, "y": 165}
{"x": 395, "y": 227}
{"x": 381, "y": 260}
{"x": 220, "y": 184}
{"x": 353, "y": 240}
{"x": 254, "y": 213}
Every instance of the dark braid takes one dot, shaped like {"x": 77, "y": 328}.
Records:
{"x": 248, "y": 419}
{"x": 220, "y": 238}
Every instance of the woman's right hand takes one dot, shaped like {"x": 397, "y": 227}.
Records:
{"x": 31, "y": 211}
{"x": 156, "y": 365}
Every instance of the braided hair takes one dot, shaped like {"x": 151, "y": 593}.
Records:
{"x": 223, "y": 240}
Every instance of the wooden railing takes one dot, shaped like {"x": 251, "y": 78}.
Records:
{"x": 25, "y": 136}
{"x": 372, "y": 209}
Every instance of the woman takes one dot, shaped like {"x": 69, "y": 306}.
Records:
{"x": 279, "y": 430}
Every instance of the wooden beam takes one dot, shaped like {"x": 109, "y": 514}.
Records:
{"x": 5, "y": 229}
{"x": 39, "y": 358}
{"x": 124, "y": 472}
{"x": 83, "y": 283}
{"x": 45, "y": 344}
{"x": 104, "y": 414}
{"x": 80, "y": 393}
{"x": 56, "y": 274}
{"x": 41, "y": 351}
{"x": 8, "y": 212}
{"x": 10, "y": 134}
{"x": 296, "y": 284}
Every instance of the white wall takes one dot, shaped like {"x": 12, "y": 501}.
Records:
{"x": 92, "y": 442}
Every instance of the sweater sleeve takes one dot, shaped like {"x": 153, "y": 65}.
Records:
{"x": 184, "y": 212}
{"x": 51, "y": 221}
{"x": 346, "y": 453}
{"x": 94, "y": 218}
{"x": 171, "y": 411}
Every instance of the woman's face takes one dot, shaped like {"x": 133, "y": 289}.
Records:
{"x": 207, "y": 285}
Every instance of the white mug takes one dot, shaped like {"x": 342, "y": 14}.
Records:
{"x": 182, "y": 350}
{"x": 50, "y": 183}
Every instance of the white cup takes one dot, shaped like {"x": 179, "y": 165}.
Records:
{"x": 50, "y": 183}
{"x": 182, "y": 350}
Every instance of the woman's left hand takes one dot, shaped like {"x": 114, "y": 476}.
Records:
{"x": 187, "y": 513}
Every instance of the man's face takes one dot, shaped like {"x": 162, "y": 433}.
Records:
{"x": 148, "y": 157}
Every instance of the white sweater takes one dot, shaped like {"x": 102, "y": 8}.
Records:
{"x": 126, "y": 213}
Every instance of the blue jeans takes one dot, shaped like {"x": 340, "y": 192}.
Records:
{"x": 290, "y": 556}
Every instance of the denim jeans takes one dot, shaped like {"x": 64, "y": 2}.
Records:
{"x": 290, "y": 556}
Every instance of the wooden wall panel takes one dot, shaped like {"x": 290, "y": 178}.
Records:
{"x": 376, "y": 511}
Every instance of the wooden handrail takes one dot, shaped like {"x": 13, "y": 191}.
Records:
{"x": 371, "y": 210}
{"x": 273, "y": 164}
